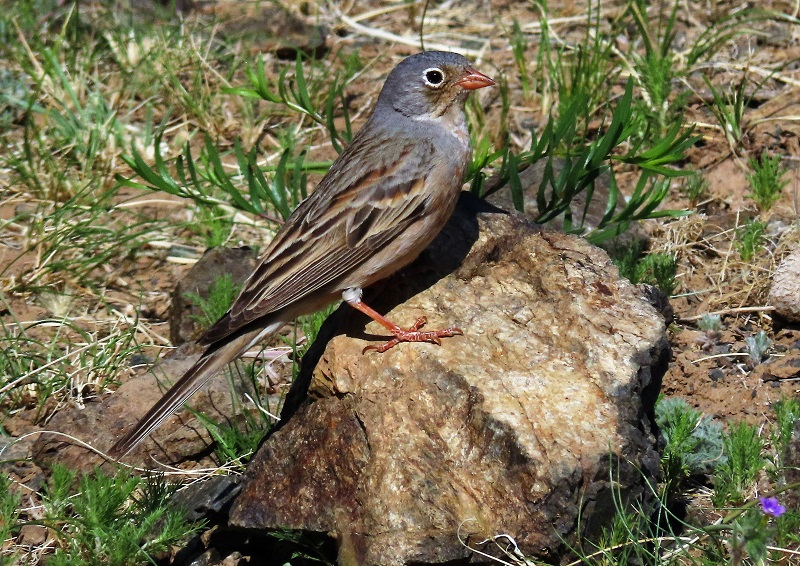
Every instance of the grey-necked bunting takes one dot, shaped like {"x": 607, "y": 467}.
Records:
{"x": 381, "y": 203}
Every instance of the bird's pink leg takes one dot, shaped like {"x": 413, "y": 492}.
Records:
{"x": 413, "y": 334}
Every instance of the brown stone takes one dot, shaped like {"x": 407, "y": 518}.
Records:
{"x": 517, "y": 427}
{"x": 215, "y": 263}
{"x": 784, "y": 294}
{"x": 98, "y": 425}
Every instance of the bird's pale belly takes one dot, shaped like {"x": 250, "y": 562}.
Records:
{"x": 402, "y": 251}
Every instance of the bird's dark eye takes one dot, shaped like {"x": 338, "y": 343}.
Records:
{"x": 434, "y": 77}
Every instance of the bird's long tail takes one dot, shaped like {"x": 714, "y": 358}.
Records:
{"x": 212, "y": 361}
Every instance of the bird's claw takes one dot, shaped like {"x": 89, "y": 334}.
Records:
{"x": 414, "y": 334}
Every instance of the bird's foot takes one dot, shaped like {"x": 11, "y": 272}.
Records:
{"x": 414, "y": 334}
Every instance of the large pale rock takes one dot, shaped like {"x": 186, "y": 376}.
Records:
{"x": 511, "y": 428}
{"x": 784, "y": 294}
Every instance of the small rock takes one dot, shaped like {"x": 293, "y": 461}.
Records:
{"x": 234, "y": 559}
{"x": 99, "y": 424}
{"x": 208, "y": 558}
{"x": 784, "y": 294}
{"x": 25, "y": 210}
{"x": 33, "y": 536}
{"x": 216, "y": 262}
{"x": 203, "y": 498}
{"x": 778, "y": 368}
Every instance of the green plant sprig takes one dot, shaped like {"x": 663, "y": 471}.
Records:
{"x": 296, "y": 96}
{"x": 207, "y": 180}
{"x": 105, "y": 522}
{"x": 766, "y": 180}
{"x": 585, "y": 163}
{"x": 750, "y": 238}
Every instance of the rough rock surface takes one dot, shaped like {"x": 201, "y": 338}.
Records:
{"x": 784, "y": 294}
{"x": 511, "y": 428}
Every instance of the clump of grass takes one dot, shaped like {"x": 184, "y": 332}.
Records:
{"x": 695, "y": 187}
{"x": 627, "y": 258}
{"x": 305, "y": 95}
{"x": 208, "y": 182}
{"x": 236, "y": 442}
{"x": 34, "y": 371}
{"x": 119, "y": 520}
{"x": 9, "y": 512}
{"x": 729, "y": 109}
{"x": 735, "y": 476}
{"x": 519, "y": 47}
{"x": 213, "y": 223}
{"x": 221, "y": 295}
{"x": 692, "y": 443}
{"x": 584, "y": 163}
{"x": 766, "y": 180}
{"x": 787, "y": 412}
{"x": 14, "y": 92}
{"x": 657, "y": 66}
{"x": 750, "y": 238}
{"x": 658, "y": 269}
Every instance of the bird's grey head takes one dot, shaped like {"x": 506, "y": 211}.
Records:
{"x": 427, "y": 84}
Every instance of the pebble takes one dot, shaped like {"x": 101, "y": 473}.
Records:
{"x": 784, "y": 294}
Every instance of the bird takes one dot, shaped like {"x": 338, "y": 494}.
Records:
{"x": 383, "y": 200}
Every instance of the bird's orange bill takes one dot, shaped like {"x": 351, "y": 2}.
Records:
{"x": 413, "y": 334}
{"x": 473, "y": 80}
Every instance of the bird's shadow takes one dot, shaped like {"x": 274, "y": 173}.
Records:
{"x": 441, "y": 258}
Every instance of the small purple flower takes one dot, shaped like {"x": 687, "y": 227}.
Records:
{"x": 771, "y": 506}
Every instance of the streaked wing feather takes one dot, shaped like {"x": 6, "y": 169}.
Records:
{"x": 325, "y": 264}
{"x": 324, "y": 242}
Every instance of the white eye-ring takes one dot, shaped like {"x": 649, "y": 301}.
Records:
{"x": 434, "y": 77}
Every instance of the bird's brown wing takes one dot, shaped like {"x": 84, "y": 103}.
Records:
{"x": 353, "y": 213}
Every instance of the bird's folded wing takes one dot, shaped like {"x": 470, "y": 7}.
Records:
{"x": 333, "y": 235}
